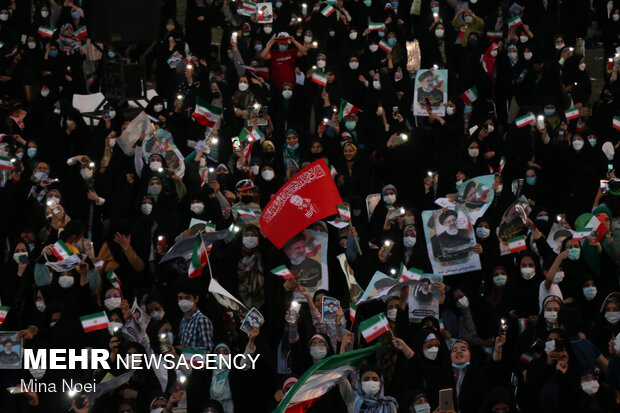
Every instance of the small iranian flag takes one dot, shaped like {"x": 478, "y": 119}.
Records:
{"x": 61, "y": 251}
{"x": 352, "y": 312}
{"x": 254, "y": 135}
{"x": 580, "y": 233}
{"x": 616, "y": 122}
{"x": 194, "y": 357}
{"x": 319, "y": 77}
{"x": 494, "y": 35}
{"x": 80, "y": 33}
{"x": 247, "y": 213}
{"x": 249, "y": 6}
{"x": 522, "y": 325}
{"x": 346, "y": 108}
{"x": 517, "y": 244}
{"x": 327, "y": 11}
{"x": 262, "y": 71}
{"x": 571, "y": 113}
{"x": 113, "y": 279}
{"x": 283, "y": 272}
{"x": 470, "y": 95}
{"x": 207, "y": 114}
{"x": 2, "y": 136}
{"x": 526, "y": 358}
{"x": 4, "y": 310}
{"x": 514, "y": 22}
{"x": 383, "y": 45}
{"x": 400, "y": 272}
{"x": 525, "y": 120}
{"x": 375, "y": 26}
{"x": 344, "y": 211}
{"x": 320, "y": 378}
{"x": 316, "y": 7}
{"x": 411, "y": 274}
{"x": 46, "y": 31}
{"x": 596, "y": 226}
{"x": 459, "y": 38}
{"x": 502, "y": 163}
{"x": 5, "y": 164}
{"x": 199, "y": 258}
{"x": 374, "y": 327}
{"x": 441, "y": 327}
{"x": 94, "y": 322}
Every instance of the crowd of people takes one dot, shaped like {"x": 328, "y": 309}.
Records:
{"x": 531, "y": 331}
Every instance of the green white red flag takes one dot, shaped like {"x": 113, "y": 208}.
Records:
{"x": 207, "y": 114}
{"x": 94, "y": 322}
{"x": 199, "y": 258}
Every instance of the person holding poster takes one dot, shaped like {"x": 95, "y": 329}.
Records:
{"x": 307, "y": 252}
{"x": 431, "y": 90}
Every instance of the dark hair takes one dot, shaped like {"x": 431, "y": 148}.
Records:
{"x": 444, "y": 215}
{"x": 72, "y": 228}
{"x": 571, "y": 320}
{"x": 190, "y": 287}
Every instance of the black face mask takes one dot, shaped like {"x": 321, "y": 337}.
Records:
{"x": 473, "y": 42}
{"x": 246, "y": 199}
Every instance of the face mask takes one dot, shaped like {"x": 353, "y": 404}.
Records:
{"x": 499, "y": 189}
{"x": 154, "y": 189}
{"x": 549, "y": 112}
{"x": 69, "y": 123}
{"x": 31, "y": 45}
{"x": 460, "y": 366}
{"x": 267, "y": 175}
{"x": 40, "y": 306}
{"x": 431, "y": 353}
{"x": 243, "y": 86}
{"x": 57, "y": 111}
{"x": 589, "y": 293}
{"x": 473, "y": 152}
{"x": 155, "y": 166}
{"x": 250, "y": 242}
{"x": 307, "y": 39}
{"x": 389, "y": 199}
{"x": 111, "y": 54}
{"x": 500, "y": 280}
{"x": 439, "y": 33}
{"x": 268, "y": 29}
{"x": 482, "y": 232}
{"x": 373, "y": 48}
{"x": 462, "y": 302}
{"x": 559, "y": 46}
{"x": 53, "y": 53}
{"x": 392, "y": 41}
{"x": 19, "y": 254}
{"x": 469, "y": 19}
{"x": 409, "y": 242}
{"x": 592, "y": 141}
{"x": 493, "y": 53}
{"x": 353, "y": 35}
{"x": 376, "y": 84}
{"x": 318, "y": 352}
{"x": 379, "y": 111}
{"x": 449, "y": 110}
{"x": 146, "y": 208}
{"x": 531, "y": 180}
{"x": 577, "y": 145}
{"x": 158, "y": 108}
{"x": 197, "y": 208}
{"x": 332, "y": 33}
{"x": 381, "y": 34}
{"x": 615, "y": 17}
{"x": 527, "y": 55}
{"x": 354, "y": 65}
{"x": 512, "y": 56}
{"x": 550, "y": 316}
{"x": 258, "y": 47}
{"x": 590, "y": 387}
{"x": 612, "y": 317}
{"x": 45, "y": 14}
{"x": 255, "y": 169}
{"x": 75, "y": 15}
{"x": 65, "y": 281}
{"x": 527, "y": 273}
{"x": 157, "y": 315}
{"x": 459, "y": 182}
{"x": 52, "y": 323}
{"x": 37, "y": 373}
{"x": 350, "y": 125}
{"x": 186, "y": 305}
{"x": 45, "y": 93}
{"x": 523, "y": 39}
{"x": 112, "y": 303}
{"x": 423, "y": 408}
{"x": 86, "y": 173}
{"x": 391, "y": 314}
{"x": 53, "y": 199}
{"x": 283, "y": 47}
{"x": 4, "y": 17}
{"x": 114, "y": 327}
{"x": 320, "y": 64}
{"x": 490, "y": 128}
{"x": 574, "y": 254}
{"x": 371, "y": 388}
{"x": 367, "y": 3}
{"x": 559, "y": 276}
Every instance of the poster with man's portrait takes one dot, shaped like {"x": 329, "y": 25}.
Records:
{"x": 135, "y": 328}
{"x": 450, "y": 240}
{"x": 264, "y": 13}
{"x": 423, "y": 298}
{"x": 10, "y": 350}
{"x": 307, "y": 254}
{"x": 512, "y": 224}
{"x": 557, "y": 234}
{"x": 477, "y": 194}
{"x": 431, "y": 87}
{"x": 253, "y": 319}
{"x": 161, "y": 143}
{"x": 329, "y": 306}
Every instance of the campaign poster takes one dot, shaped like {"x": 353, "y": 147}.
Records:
{"x": 10, "y": 350}
{"x": 307, "y": 253}
{"x": 477, "y": 195}
{"x": 431, "y": 87}
{"x": 423, "y": 300}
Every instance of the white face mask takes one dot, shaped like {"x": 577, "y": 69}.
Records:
{"x": 155, "y": 166}
{"x": 473, "y": 152}
{"x": 318, "y": 352}
{"x": 500, "y": 188}
{"x": 267, "y": 175}
{"x": 158, "y": 108}
{"x": 243, "y": 86}
{"x": 493, "y": 53}
{"x": 389, "y": 199}
{"x": 267, "y": 29}
{"x": 86, "y": 173}
{"x": 500, "y": 280}
{"x": 287, "y": 94}
{"x": 409, "y": 242}
{"x": 483, "y": 233}
{"x": 65, "y": 281}
{"x": 31, "y": 45}
{"x": 431, "y": 352}
{"x": 112, "y": 142}
{"x": 527, "y": 55}
{"x": 197, "y": 208}
{"x": 45, "y": 13}
{"x": 559, "y": 46}
{"x": 307, "y": 39}
{"x": 469, "y": 19}
{"x": 423, "y": 408}
{"x": 582, "y": 66}
{"x": 449, "y": 110}
{"x": 353, "y": 35}
{"x": 612, "y": 317}
{"x": 379, "y": 111}
{"x": 376, "y": 85}
{"x": 462, "y": 302}
{"x": 332, "y": 33}
{"x": 590, "y": 387}
{"x": 523, "y": 39}
{"x": 40, "y": 306}
{"x": 45, "y": 92}
{"x": 439, "y": 33}
{"x": 112, "y": 303}
{"x": 577, "y": 144}
{"x": 146, "y": 208}
{"x": 4, "y": 17}
{"x": 371, "y": 388}
{"x": 559, "y": 276}
{"x": 255, "y": 169}
{"x": 112, "y": 114}
{"x": 114, "y": 327}
{"x": 19, "y": 254}
{"x": 186, "y": 305}
{"x": 550, "y": 316}
{"x": 373, "y": 48}
{"x": 391, "y": 314}
{"x": 490, "y": 128}
{"x": 615, "y": 17}
{"x": 354, "y": 65}
{"x": 527, "y": 273}
{"x": 154, "y": 189}
{"x": 157, "y": 315}
{"x": 250, "y": 242}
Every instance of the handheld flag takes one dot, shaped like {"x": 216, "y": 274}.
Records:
{"x": 616, "y": 122}
{"x": 383, "y": 45}
{"x": 470, "y": 95}
{"x": 347, "y": 108}
{"x": 94, "y": 322}
{"x": 571, "y": 113}
{"x": 207, "y": 114}
{"x": 80, "y": 33}
{"x": 283, "y": 272}
{"x": 374, "y": 327}
{"x": 113, "y": 279}
{"x": 46, "y": 31}
{"x": 344, "y": 211}
{"x": 319, "y": 78}
{"x": 199, "y": 258}
{"x": 525, "y": 120}
{"x": 4, "y": 310}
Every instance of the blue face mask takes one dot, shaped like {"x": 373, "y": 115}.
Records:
{"x": 543, "y": 218}
{"x": 381, "y": 34}
{"x": 592, "y": 141}
{"x": 39, "y": 176}
{"x": 75, "y": 15}
{"x": 367, "y": 3}
{"x": 461, "y": 366}
{"x": 392, "y": 41}
{"x": 350, "y": 125}
{"x": 31, "y": 152}
{"x": 53, "y": 53}
{"x": 292, "y": 147}
{"x": 531, "y": 180}
{"x": 574, "y": 254}
{"x": 111, "y": 55}
{"x": 549, "y": 112}
{"x": 278, "y": 4}
{"x": 283, "y": 47}
{"x": 394, "y": 4}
